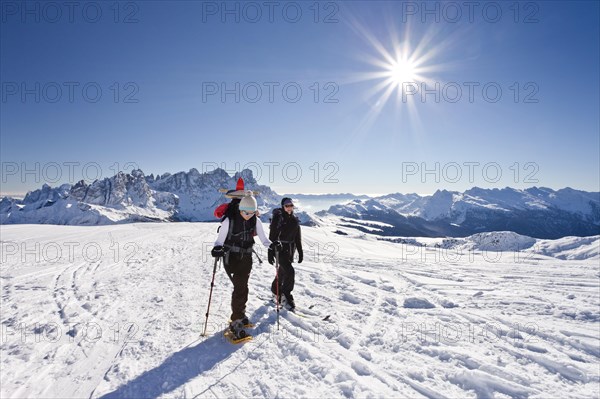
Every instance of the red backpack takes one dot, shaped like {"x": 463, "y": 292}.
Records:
{"x": 221, "y": 210}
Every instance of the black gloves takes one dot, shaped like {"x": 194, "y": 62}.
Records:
{"x": 276, "y": 246}
{"x": 217, "y": 251}
{"x": 271, "y": 256}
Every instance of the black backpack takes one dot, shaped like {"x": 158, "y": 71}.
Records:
{"x": 234, "y": 206}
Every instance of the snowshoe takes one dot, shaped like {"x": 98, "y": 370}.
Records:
{"x": 236, "y": 333}
{"x": 247, "y": 324}
{"x": 232, "y": 339}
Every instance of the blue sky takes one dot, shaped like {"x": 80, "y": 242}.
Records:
{"x": 156, "y": 110}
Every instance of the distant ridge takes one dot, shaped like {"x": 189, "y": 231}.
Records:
{"x": 538, "y": 212}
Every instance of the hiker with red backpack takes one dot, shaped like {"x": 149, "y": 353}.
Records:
{"x": 285, "y": 234}
{"x": 234, "y": 244}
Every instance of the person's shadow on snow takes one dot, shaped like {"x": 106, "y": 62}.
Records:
{"x": 185, "y": 365}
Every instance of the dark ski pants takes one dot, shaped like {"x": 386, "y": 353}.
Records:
{"x": 287, "y": 276}
{"x": 239, "y": 268}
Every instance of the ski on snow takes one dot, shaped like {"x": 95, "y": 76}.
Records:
{"x": 297, "y": 312}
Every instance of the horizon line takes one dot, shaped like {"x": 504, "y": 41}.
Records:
{"x": 21, "y": 195}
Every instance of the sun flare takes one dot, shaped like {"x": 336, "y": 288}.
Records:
{"x": 401, "y": 65}
{"x": 402, "y": 71}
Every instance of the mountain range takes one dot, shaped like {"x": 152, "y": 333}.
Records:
{"x": 132, "y": 197}
{"x": 192, "y": 196}
{"x": 536, "y": 212}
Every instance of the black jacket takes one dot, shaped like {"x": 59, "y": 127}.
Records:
{"x": 243, "y": 231}
{"x": 286, "y": 228}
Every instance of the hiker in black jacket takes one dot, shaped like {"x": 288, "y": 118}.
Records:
{"x": 234, "y": 244}
{"x": 285, "y": 228}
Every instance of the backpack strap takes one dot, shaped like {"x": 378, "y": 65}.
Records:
{"x": 230, "y": 231}
{"x": 227, "y": 243}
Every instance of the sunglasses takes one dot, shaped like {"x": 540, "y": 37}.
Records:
{"x": 248, "y": 213}
{"x": 289, "y": 205}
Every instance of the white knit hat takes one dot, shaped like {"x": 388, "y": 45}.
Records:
{"x": 248, "y": 203}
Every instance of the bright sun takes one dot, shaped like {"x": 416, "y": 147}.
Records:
{"x": 402, "y": 67}
{"x": 402, "y": 71}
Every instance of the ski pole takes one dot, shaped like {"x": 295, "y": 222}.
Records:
{"x": 212, "y": 284}
{"x": 277, "y": 283}
{"x": 257, "y": 257}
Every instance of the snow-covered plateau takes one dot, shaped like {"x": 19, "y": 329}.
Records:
{"x": 117, "y": 311}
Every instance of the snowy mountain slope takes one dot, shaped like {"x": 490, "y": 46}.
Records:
{"x": 451, "y": 204}
{"x": 125, "y": 320}
{"x": 536, "y": 212}
{"x": 392, "y": 223}
{"x": 317, "y": 202}
{"x": 198, "y": 194}
{"x": 569, "y": 248}
{"x": 566, "y": 248}
{"x": 132, "y": 197}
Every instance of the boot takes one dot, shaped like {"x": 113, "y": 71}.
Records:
{"x": 289, "y": 302}
{"x": 237, "y": 329}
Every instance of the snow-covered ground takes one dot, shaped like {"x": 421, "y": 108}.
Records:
{"x": 117, "y": 311}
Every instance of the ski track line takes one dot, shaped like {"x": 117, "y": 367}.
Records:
{"x": 61, "y": 301}
{"x": 539, "y": 357}
{"x": 342, "y": 355}
{"x": 364, "y": 332}
{"x": 139, "y": 267}
{"x": 341, "y": 372}
{"x": 342, "y": 342}
{"x": 291, "y": 348}
{"x": 373, "y": 318}
{"x": 375, "y": 315}
{"x": 415, "y": 386}
{"x": 112, "y": 364}
{"x": 418, "y": 287}
{"x": 389, "y": 318}
{"x": 67, "y": 294}
{"x": 61, "y": 292}
{"x": 254, "y": 349}
{"x": 229, "y": 373}
{"x": 103, "y": 358}
{"x": 545, "y": 336}
{"x": 544, "y": 362}
{"x": 68, "y": 298}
